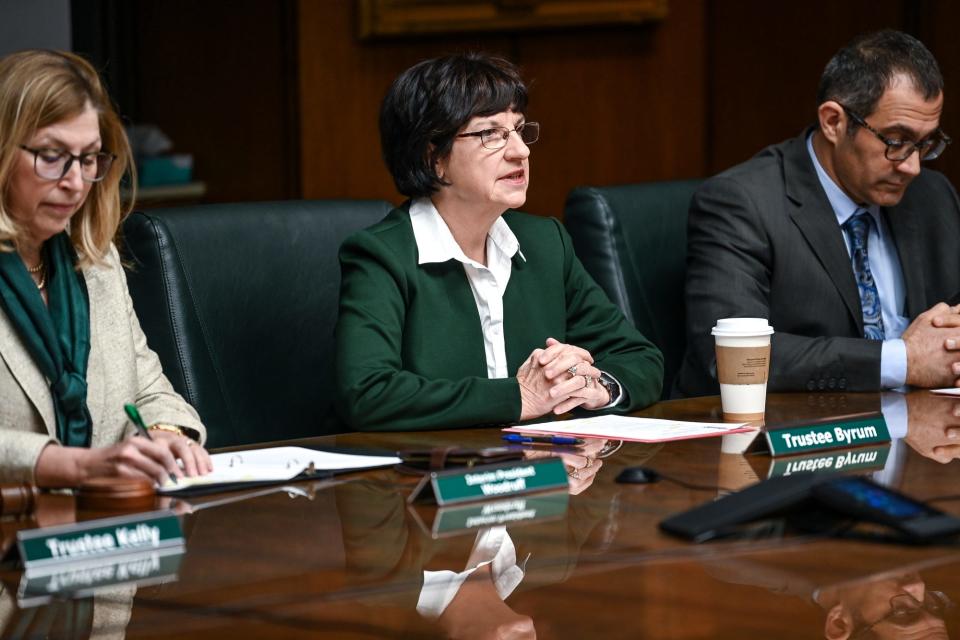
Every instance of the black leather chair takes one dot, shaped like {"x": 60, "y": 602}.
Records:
{"x": 240, "y": 302}
{"x": 633, "y": 240}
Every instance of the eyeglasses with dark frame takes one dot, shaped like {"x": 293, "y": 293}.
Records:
{"x": 929, "y": 148}
{"x": 54, "y": 164}
{"x": 906, "y": 610}
{"x": 496, "y": 137}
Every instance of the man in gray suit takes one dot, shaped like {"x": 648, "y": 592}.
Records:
{"x": 838, "y": 236}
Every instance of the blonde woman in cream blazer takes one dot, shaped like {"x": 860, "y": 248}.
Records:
{"x": 72, "y": 353}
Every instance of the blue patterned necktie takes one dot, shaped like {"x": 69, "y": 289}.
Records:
{"x": 858, "y": 228}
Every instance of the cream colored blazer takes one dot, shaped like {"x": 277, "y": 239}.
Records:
{"x": 121, "y": 369}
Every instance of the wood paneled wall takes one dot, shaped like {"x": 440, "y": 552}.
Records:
{"x": 279, "y": 98}
{"x": 615, "y": 104}
{"x": 705, "y": 89}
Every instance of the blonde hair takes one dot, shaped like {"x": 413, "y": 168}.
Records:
{"x": 40, "y": 88}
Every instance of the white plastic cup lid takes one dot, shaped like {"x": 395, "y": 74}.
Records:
{"x": 742, "y": 327}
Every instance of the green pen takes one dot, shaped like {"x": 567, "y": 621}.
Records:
{"x": 135, "y": 418}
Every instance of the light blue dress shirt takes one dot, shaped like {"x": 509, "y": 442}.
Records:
{"x": 887, "y": 273}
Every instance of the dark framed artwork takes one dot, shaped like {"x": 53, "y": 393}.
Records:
{"x": 397, "y": 18}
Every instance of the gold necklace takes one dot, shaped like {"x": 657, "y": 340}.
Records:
{"x": 43, "y": 276}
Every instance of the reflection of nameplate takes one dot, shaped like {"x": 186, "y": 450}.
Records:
{"x": 848, "y": 461}
{"x": 82, "y": 579}
{"x": 507, "y": 512}
{"x": 44, "y": 550}
{"x": 836, "y": 433}
{"x": 491, "y": 481}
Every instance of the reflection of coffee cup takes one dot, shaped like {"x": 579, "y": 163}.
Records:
{"x": 743, "y": 363}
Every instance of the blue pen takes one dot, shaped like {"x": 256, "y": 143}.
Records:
{"x": 522, "y": 439}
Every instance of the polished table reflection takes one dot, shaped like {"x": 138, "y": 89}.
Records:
{"x": 346, "y": 558}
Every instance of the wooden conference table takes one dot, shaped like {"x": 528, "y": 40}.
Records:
{"x": 346, "y": 559}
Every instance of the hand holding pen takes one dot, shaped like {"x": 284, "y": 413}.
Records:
{"x": 195, "y": 459}
{"x": 135, "y": 418}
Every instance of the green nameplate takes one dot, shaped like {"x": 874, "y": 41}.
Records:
{"x": 79, "y": 580}
{"x": 508, "y": 512}
{"x": 849, "y": 461}
{"x": 44, "y": 550}
{"x": 822, "y": 436}
{"x": 492, "y": 481}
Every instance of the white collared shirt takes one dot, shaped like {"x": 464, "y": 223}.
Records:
{"x": 492, "y": 546}
{"x": 886, "y": 270}
{"x": 435, "y": 243}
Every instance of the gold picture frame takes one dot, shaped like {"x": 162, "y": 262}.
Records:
{"x": 398, "y": 18}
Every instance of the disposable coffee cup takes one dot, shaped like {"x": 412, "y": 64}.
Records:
{"x": 743, "y": 364}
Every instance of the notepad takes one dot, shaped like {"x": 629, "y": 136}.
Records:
{"x": 275, "y": 464}
{"x": 633, "y": 429}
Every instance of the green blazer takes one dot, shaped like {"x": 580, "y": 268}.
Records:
{"x": 409, "y": 342}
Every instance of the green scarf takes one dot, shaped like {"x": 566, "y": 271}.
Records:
{"x": 58, "y": 336}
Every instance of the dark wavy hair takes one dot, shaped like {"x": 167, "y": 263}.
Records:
{"x": 430, "y": 102}
{"x": 859, "y": 73}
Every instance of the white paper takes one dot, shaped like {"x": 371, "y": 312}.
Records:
{"x": 276, "y": 464}
{"x": 949, "y": 391}
{"x": 635, "y": 429}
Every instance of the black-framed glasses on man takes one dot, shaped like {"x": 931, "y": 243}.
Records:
{"x": 906, "y": 610}
{"x": 54, "y": 164}
{"x": 929, "y": 148}
{"x": 496, "y": 137}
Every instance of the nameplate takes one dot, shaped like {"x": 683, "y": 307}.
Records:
{"x": 79, "y": 580}
{"x": 826, "y": 435}
{"x": 848, "y": 461}
{"x": 44, "y": 550}
{"x": 518, "y": 510}
{"x": 488, "y": 482}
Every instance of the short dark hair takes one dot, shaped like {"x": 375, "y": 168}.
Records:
{"x": 430, "y": 102}
{"x": 859, "y": 74}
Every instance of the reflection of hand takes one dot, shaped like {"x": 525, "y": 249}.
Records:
{"x": 933, "y": 426}
{"x": 592, "y": 446}
{"x": 581, "y": 471}
{"x": 582, "y": 467}
{"x": 930, "y": 362}
{"x": 179, "y": 507}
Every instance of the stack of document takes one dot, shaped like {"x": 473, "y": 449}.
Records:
{"x": 277, "y": 464}
{"x": 633, "y": 429}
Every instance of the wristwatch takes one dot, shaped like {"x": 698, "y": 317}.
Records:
{"x": 612, "y": 386}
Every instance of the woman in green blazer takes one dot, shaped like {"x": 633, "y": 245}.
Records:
{"x": 71, "y": 350}
{"x": 455, "y": 310}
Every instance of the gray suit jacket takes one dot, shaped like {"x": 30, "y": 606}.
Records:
{"x": 763, "y": 241}
{"x": 121, "y": 369}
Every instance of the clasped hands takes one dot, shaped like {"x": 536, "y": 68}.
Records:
{"x": 558, "y": 379}
{"x": 933, "y": 347}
